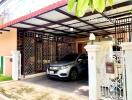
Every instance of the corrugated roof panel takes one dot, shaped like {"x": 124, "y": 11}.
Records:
{"x": 22, "y": 25}
{"x": 53, "y": 26}
{"x": 86, "y": 27}
{"x": 62, "y": 28}
{"x": 48, "y": 30}
{"x": 91, "y": 17}
{"x": 41, "y": 29}
{"x": 54, "y": 15}
{"x": 118, "y": 10}
{"x": 78, "y": 24}
{"x": 98, "y": 20}
{"x": 36, "y": 21}
{"x": 103, "y": 24}
{"x": 70, "y": 22}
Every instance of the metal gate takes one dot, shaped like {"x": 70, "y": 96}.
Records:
{"x": 39, "y": 49}
{"x": 29, "y": 54}
{"x": 113, "y": 79}
{"x": 38, "y": 54}
{"x": 113, "y": 85}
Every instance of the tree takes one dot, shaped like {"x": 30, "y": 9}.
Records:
{"x": 81, "y": 6}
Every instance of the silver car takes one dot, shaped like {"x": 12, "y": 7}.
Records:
{"x": 69, "y": 67}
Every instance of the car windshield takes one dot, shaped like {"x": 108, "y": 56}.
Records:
{"x": 83, "y": 56}
{"x": 70, "y": 57}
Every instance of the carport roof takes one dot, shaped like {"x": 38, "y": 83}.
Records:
{"x": 56, "y": 20}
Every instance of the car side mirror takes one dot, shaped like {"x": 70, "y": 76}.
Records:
{"x": 80, "y": 60}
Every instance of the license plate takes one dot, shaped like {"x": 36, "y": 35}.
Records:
{"x": 51, "y": 72}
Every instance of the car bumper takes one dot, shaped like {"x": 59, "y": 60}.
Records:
{"x": 59, "y": 73}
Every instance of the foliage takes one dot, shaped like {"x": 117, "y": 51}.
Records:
{"x": 81, "y": 6}
{"x": 5, "y": 78}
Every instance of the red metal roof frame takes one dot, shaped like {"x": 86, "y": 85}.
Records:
{"x": 35, "y": 13}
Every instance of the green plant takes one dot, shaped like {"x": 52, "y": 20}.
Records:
{"x": 83, "y": 5}
{"x": 5, "y": 78}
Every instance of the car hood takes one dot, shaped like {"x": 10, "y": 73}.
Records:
{"x": 61, "y": 63}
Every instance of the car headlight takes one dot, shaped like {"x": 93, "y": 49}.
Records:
{"x": 63, "y": 67}
{"x": 54, "y": 68}
{"x": 66, "y": 66}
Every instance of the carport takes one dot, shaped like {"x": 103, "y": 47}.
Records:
{"x": 48, "y": 34}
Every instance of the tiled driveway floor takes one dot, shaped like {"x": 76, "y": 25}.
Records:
{"x": 66, "y": 86}
{"x": 22, "y": 90}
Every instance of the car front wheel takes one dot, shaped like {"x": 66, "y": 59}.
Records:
{"x": 73, "y": 75}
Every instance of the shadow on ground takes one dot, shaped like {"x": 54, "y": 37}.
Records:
{"x": 77, "y": 87}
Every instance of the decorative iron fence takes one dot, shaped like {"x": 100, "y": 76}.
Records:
{"x": 39, "y": 49}
{"x": 123, "y": 30}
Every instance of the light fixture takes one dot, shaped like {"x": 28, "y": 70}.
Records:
{"x": 37, "y": 36}
{"x": 92, "y": 38}
{"x": 71, "y": 29}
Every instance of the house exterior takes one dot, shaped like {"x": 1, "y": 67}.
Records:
{"x": 46, "y": 35}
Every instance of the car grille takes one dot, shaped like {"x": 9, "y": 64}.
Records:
{"x": 54, "y": 68}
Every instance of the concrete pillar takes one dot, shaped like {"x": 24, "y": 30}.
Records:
{"x": 4, "y": 64}
{"x": 127, "y": 47}
{"x": 7, "y": 68}
{"x": 16, "y": 65}
{"x": 92, "y": 70}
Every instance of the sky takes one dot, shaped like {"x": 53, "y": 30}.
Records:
{"x": 13, "y": 9}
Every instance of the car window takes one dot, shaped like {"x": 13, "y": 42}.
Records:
{"x": 70, "y": 57}
{"x": 83, "y": 56}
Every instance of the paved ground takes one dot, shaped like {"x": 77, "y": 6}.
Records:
{"x": 67, "y": 86}
{"x": 22, "y": 90}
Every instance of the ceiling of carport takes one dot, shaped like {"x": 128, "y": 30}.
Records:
{"x": 58, "y": 21}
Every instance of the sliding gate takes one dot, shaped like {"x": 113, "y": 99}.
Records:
{"x": 113, "y": 84}
{"x": 39, "y": 49}
{"x": 113, "y": 81}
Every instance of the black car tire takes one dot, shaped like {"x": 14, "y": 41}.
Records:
{"x": 73, "y": 75}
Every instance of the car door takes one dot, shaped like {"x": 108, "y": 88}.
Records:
{"x": 82, "y": 63}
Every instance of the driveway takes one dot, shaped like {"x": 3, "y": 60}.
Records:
{"x": 66, "y": 86}
{"x": 22, "y": 90}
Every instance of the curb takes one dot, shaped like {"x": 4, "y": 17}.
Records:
{"x": 2, "y": 97}
{"x": 7, "y": 81}
{"x": 26, "y": 77}
{"x": 32, "y": 76}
